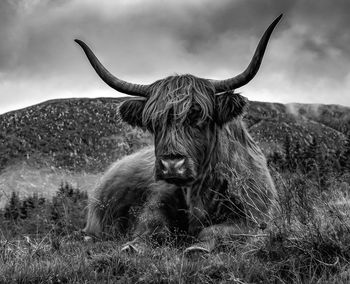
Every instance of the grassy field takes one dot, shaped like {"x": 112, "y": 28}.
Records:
{"x": 54, "y": 153}
{"x": 27, "y": 180}
{"x": 307, "y": 242}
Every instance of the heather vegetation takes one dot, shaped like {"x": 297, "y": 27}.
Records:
{"x": 308, "y": 240}
{"x": 77, "y": 135}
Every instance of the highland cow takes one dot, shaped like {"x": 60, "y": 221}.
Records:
{"x": 204, "y": 176}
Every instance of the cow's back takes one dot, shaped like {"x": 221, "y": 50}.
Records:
{"x": 135, "y": 170}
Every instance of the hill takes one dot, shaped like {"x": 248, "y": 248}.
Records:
{"x": 75, "y": 134}
{"x": 88, "y": 134}
{"x": 270, "y": 123}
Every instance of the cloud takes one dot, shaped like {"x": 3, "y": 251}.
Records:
{"x": 141, "y": 41}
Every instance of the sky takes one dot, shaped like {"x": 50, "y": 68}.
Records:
{"x": 141, "y": 41}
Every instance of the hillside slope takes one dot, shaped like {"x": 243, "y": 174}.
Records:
{"x": 87, "y": 134}
{"x": 76, "y": 134}
{"x": 270, "y": 123}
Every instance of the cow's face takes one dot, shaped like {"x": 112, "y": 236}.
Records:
{"x": 185, "y": 120}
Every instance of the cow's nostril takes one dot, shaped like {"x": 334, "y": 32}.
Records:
{"x": 179, "y": 167}
{"x": 165, "y": 164}
{"x": 179, "y": 164}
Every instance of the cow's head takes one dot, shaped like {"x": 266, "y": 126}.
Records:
{"x": 183, "y": 113}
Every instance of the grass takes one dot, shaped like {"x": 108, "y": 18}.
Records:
{"x": 307, "y": 242}
{"x": 78, "y": 262}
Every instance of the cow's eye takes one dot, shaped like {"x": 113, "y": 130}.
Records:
{"x": 193, "y": 118}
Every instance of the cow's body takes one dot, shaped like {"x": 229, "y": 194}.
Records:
{"x": 240, "y": 191}
{"x": 123, "y": 186}
{"x": 205, "y": 176}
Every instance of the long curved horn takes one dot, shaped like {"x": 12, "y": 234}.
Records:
{"x": 253, "y": 67}
{"x": 109, "y": 79}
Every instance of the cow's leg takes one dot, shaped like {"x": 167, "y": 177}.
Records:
{"x": 216, "y": 235}
{"x": 110, "y": 215}
{"x": 246, "y": 213}
{"x": 93, "y": 227}
{"x": 238, "y": 227}
{"x": 163, "y": 213}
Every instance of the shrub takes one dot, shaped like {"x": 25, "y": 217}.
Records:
{"x": 37, "y": 216}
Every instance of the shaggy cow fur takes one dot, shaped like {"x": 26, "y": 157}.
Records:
{"x": 231, "y": 190}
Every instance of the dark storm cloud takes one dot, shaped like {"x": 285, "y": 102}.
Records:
{"x": 240, "y": 18}
{"x": 7, "y": 17}
{"x": 145, "y": 40}
{"x": 329, "y": 19}
{"x": 325, "y": 35}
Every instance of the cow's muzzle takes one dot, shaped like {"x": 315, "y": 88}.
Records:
{"x": 174, "y": 170}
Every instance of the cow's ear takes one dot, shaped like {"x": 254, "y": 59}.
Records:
{"x": 131, "y": 111}
{"x": 229, "y": 105}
